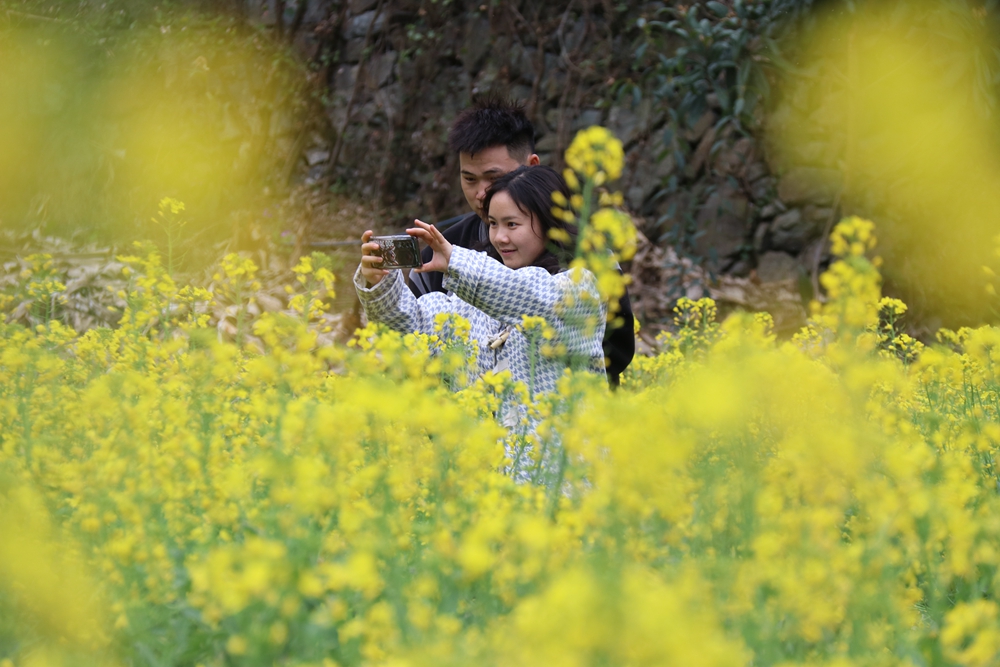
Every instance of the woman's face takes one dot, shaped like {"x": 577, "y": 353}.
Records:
{"x": 516, "y": 235}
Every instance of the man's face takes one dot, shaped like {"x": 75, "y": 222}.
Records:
{"x": 481, "y": 169}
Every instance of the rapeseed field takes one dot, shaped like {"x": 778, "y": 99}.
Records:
{"x": 170, "y": 499}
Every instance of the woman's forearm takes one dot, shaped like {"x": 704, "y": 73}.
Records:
{"x": 510, "y": 294}
{"x": 391, "y": 303}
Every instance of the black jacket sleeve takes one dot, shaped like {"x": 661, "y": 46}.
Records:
{"x": 619, "y": 342}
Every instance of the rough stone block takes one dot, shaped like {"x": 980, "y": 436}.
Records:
{"x": 547, "y": 143}
{"x": 734, "y": 159}
{"x": 635, "y": 197}
{"x": 723, "y": 223}
{"x": 316, "y": 156}
{"x": 476, "y": 45}
{"x": 337, "y": 113}
{"x": 802, "y": 185}
{"x": 353, "y": 49}
{"x": 379, "y": 69}
{"x": 624, "y": 123}
{"x": 521, "y": 61}
{"x": 316, "y": 11}
{"x": 807, "y": 257}
{"x": 552, "y": 119}
{"x": 573, "y": 37}
{"x": 389, "y": 98}
{"x": 520, "y": 92}
{"x": 357, "y": 26}
{"x": 771, "y": 210}
{"x": 701, "y": 154}
{"x": 552, "y": 63}
{"x": 643, "y": 173}
{"x": 760, "y": 236}
{"x": 775, "y": 267}
{"x": 700, "y": 127}
{"x": 791, "y": 231}
{"x": 554, "y": 84}
{"x": 755, "y": 170}
{"x": 486, "y": 78}
{"x": 344, "y": 78}
{"x": 817, "y": 215}
{"x": 315, "y": 174}
{"x": 587, "y": 118}
{"x": 762, "y": 189}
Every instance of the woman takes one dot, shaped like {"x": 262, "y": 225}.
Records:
{"x": 528, "y": 280}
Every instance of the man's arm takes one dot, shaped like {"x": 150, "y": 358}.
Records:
{"x": 619, "y": 342}
{"x": 425, "y": 283}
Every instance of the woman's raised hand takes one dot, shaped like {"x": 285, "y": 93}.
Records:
{"x": 430, "y": 235}
{"x": 370, "y": 261}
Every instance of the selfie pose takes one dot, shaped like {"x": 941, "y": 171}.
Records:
{"x": 519, "y": 271}
{"x": 491, "y": 138}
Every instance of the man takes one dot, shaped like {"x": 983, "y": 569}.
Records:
{"x": 494, "y": 137}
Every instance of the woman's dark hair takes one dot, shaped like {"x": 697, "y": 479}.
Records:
{"x": 531, "y": 188}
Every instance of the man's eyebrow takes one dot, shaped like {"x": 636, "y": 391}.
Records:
{"x": 488, "y": 172}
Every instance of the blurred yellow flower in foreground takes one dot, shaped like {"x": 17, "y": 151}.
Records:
{"x": 171, "y": 497}
{"x": 596, "y": 153}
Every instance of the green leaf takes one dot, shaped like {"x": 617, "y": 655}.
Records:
{"x": 718, "y": 9}
{"x": 723, "y": 95}
{"x": 743, "y": 76}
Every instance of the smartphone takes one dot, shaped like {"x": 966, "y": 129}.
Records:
{"x": 399, "y": 251}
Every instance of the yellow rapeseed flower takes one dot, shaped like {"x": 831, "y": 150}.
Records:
{"x": 594, "y": 151}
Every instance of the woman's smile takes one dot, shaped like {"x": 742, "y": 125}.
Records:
{"x": 515, "y": 234}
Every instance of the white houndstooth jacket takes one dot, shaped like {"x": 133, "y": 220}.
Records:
{"x": 492, "y": 298}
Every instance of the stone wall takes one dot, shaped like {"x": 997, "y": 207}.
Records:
{"x": 395, "y": 73}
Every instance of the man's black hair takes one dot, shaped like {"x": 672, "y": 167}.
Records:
{"x": 493, "y": 121}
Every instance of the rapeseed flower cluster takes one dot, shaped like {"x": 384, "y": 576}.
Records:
{"x": 41, "y": 289}
{"x": 606, "y": 234}
{"x": 595, "y": 153}
{"x": 168, "y": 496}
